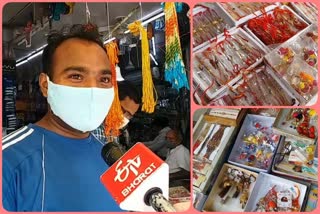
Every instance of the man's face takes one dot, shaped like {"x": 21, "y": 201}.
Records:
{"x": 81, "y": 63}
{"x": 172, "y": 138}
{"x": 129, "y": 107}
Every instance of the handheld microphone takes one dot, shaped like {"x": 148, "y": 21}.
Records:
{"x": 138, "y": 179}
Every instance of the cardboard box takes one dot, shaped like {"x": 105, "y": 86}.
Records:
{"x": 265, "y": 183}
{"x": 255, "y": 144}
{"x": 213, "y": 202}
{"x": 282, "y": 126}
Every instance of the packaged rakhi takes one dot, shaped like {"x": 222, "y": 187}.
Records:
{"x": 226, "y": 58}
{"x": 258, "y": 88}
{"x": 307, "y": 10}
{"x": 304, "y": 47}
{"x": 303, "y": 79}
{"x": 231, "y": 190}
{"x": 275, "y": 194}
{"x": 241, "y": 9}
{"x": 256, "y": 144}
{"x": 277, "y": 26}
{"x": 296, "y": 159}
{"x": 207, "y": 24}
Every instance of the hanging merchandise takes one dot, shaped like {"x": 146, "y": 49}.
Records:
{"x": 287, "y": 41}
{"x": 28, "y": 32}
{"x": 148, "y": 101}
{"x": 70, "y": 6}
{"x": 115, "y": 116}
{"x": 175, "y": 71}
{"x": 58, "y": 9}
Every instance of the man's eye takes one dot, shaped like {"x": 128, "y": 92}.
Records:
{"x": 76, "y": 76}
{"x": 105, "y": 79}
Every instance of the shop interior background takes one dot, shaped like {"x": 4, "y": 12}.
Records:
{"x": 25, "y": 103}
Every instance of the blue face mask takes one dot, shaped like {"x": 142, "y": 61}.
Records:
{"x": 81, "y": 108}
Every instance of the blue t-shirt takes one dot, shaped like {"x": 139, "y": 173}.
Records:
{"x": 44, "y": 171}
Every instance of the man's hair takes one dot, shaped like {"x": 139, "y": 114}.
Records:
{"x": 126, "y": 89}
{"x": 178, "y": 135}
{"x": 83, "y": 32}
{"x": 161, "y": 122}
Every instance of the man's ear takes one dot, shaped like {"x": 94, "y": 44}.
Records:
{"x": 43, "y": 83}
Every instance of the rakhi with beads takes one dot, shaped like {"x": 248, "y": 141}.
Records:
{"x": 148, "y": 100}
{"x": 115, "y": 116}
{"x": 175, "y": 71}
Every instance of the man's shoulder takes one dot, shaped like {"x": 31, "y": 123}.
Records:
{"x": 182, "y": 148}
{"x": 19, "y": 144}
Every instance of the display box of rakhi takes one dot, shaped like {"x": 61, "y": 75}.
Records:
{"x": 295, "y": 62}
{"x": 231, "y": 190}
{"x": 209, "y": 21}
{"x": 312, "y": 199}
{"x": 212, "y": 139}
{"x": 296, "y": 159}
{"x": 227, "y": 117}
{"x": 306, "y": 10}
{"x": 179, "y": 194}
{"x": 257, "y": 87}
{"x": 300, "y": 124}
{"x": 275, "y": 194}
{"x": 200, "y": 181}
{"x": 223, "y": 60}
{"x": 256, "y": 144}
{"x": 210, "y": 147}
{"x": 275, "y": 27}
{"x": 198, "y": 199}
{"x": 241, "y": 12}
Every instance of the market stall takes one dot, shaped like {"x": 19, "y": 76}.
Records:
{"x": 148, "y": 46}
{"x": 245, "y": 52}
{"x": 268, "y": 163}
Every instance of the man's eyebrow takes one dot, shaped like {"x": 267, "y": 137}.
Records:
{"x": 83, "y": 69}
{"x": 75, "y": 68}
{"x": 106, "y": 71}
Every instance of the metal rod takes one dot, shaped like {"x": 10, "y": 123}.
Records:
{"x": 17, "y": 14}
{"x": 123, "y": 21}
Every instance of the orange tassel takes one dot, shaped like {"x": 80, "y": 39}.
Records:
{"x": 114, "y": 118}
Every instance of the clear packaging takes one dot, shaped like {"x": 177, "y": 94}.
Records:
{"x": 256, "y": 144}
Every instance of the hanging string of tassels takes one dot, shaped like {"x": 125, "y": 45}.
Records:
{"x": 115, "y": 116}
{"x": 175, "y": 72}
{"x": 148, "y": 101}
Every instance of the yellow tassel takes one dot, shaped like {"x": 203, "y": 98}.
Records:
{"x": 148, "y": 101}
{"x": 114, "y": 118}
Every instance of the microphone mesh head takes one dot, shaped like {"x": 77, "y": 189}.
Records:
{"x": 111, "y": 152}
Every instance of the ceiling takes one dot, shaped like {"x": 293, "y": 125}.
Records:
{"x": 16, "y": 16}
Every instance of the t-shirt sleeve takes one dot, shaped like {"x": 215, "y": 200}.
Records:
{"x": 157, "y": 143}
{"x": 183, "y": 159}
{"x": 8, "y": 189}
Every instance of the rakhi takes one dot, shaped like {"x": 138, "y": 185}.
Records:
{"x": 207, "y": 66}
{"x": 301, "y": 122}
{"x": 207, "y": 25}
{"x": 276, "y": 27}
{"x": 235, "y": 183}
{"x": 215, "y": 141}
{"x": 308, "y": 9}
{"x": 286, "y": 199}
{"x": 202, "y": 136}
{"x": 303, "y": 83}
{"x": 240, "y": 10}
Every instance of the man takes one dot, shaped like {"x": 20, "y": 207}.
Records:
{"x": 178, "y": 157}
{"x": 55, "y": 164}
{"x": 130, "y": 103}
{"x": 158, "y": 144}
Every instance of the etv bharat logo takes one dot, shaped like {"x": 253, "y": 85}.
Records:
{"x": 123, "y": 172}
